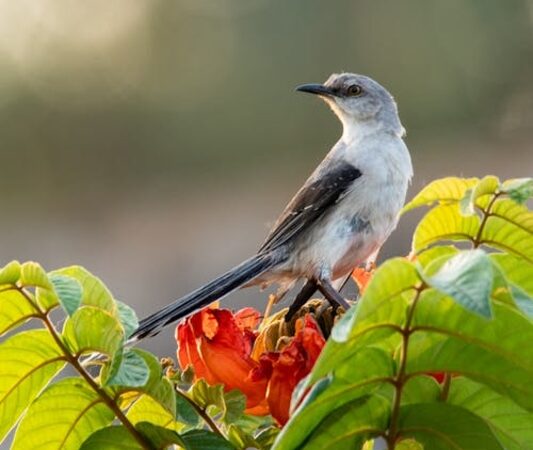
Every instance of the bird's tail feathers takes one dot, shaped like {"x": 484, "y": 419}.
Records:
{"x": 203, "y": 296}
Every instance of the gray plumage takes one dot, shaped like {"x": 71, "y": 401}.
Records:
{"x": 340, "y": 217}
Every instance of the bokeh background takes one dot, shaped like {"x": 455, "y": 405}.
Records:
{"x": 154, "y": 142}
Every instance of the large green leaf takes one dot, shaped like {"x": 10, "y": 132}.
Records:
{"x": 157, "y": 386}
{"x": 444, "y": 223}
{"x": 498, "y": 352}
{"x": 93, "y": 329}
{"x": 146, "y": 409}
{"x": 28, "y": 361}
{"x": 62, "y": 417}
{"x": 351, "y": 380}
{"x": 32, "y": 274}
{"x": 95, "y": 293}
{"x": 515, "y": 270}
{"x": 205, "y": 440}
{"x": 160, "y": 437}
{"x": 127, "y": 318}
{"x": 440, "y": 426}
{"x": 348, "y": 426}
{"x": 511, "y": 424}
{"x": 68, "y": 292}
{"x": 15, "y": 309}
{"x": 445, "y": 190}
{"x": 128, "y": 368}
{"x": 467, "y": 277}
{"x": 115, "y": 437}
{"x": 510, "y": 228}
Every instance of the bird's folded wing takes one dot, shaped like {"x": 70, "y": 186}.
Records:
{"x": 310, "y": 203}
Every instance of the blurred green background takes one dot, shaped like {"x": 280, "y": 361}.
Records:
{"x": 154, "y": 141}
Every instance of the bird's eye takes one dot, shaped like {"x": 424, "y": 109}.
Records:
{"x": 354, "y": 90}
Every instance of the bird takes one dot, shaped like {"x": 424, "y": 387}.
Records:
{"x": 340, "y": 217}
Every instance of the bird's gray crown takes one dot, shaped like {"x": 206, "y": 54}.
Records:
{"x": 358, "y": 98}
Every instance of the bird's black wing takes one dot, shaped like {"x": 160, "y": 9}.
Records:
{"x": 310, "y": 203}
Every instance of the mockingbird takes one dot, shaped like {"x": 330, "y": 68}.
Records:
{"x": 340, "y": 217}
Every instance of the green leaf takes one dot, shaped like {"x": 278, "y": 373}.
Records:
{"x": 95, "y": 293}
{"x": 420, "y": 389}
{"x": 347, "y": 386}
{"x": 439, "y": 426}
{"x": 382, "y": 301}
{"x": 511, "y": 424}
{"x": 235, "y": 402}
{"x": 32, "y": 274}
{"x": 519, "y": 189}
{"x": 205, "y": 440}
{"x": 63, "y": 416}
{"x": 68, "y": 291}
{"x": 111, "y": 438}
{"x": 160, "y": 437}
{"x": 128, "y": 368}
{"x": 10, "y": 273}
{"x": 444, "y": 223}
{"x": 127, "y": 318}
{"x": 522, "y": 300}
{"x": 348, "y": 426}
{"x": 488, "y": 185}
{"x": 445, "y": 190}
{"x": 29, "y": 361}
{"x": 93, "y": 329}
{"x": 448, "y": 338}
{"x": 266, "y": 437}
{"x": 467, "y": 277}
{"x": 157, "y": 386}
{"x": 15, "y": 310}
{"x": 408, "y": 444}
{"x": 240, "y": 439}
{"x": 427, "y": 257}
{"x": 146, "y": 409}
{"x": 515, "y": 270}
{"x": 185, "y": 413}
{"x": 510, "y": 228}
{"x": 209, "y": 397}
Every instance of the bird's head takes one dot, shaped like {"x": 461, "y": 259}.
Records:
{"x": 358, "y": 100}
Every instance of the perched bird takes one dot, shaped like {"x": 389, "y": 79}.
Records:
{"x": 340, "y": 217}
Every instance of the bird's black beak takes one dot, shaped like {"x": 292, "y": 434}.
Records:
{"x": 317, "y": 89}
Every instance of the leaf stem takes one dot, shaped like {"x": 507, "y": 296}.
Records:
{"x": 202, "y": 413}
{"x": 445, "y": 390}
{"x": 401, "y": 377}
{"x": 73, "y": 361}
{"x": 477, "y": 241}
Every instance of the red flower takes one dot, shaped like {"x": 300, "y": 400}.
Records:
{"x": 218, "y": 344}
{"x": 286, "y": 368}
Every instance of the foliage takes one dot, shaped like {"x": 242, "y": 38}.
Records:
{"x": 460, "y": 314}
{"x": 121, "y": 397}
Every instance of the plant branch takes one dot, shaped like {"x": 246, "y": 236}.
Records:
{"x": 72, "y": 360}
{"x": 477, "y": 241}
{"x": 202, "y": 413}
{"x": 401, "y": 378}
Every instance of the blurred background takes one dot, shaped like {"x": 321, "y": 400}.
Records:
{"x": 155, "y": 142}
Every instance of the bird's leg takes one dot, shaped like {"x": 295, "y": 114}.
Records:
{"x": 305, "y": 294}
{"x": 331, "y": 294}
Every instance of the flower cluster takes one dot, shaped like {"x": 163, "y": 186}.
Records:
{"x": 265, "y": 364}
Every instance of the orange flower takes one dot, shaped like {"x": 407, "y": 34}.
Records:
{"x": 362, "y": 276}
{"x": 287, "y": 367}
{"x": 218, "y": 345}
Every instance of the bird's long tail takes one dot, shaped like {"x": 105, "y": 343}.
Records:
{"x": 203, "y": 296}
